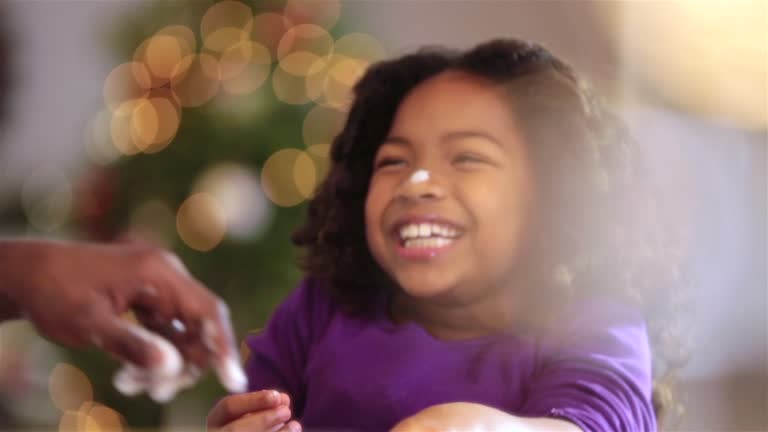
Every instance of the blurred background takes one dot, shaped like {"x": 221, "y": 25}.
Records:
{"x": 204, "y": 126}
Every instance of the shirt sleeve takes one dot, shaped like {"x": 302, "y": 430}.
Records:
{"x": 278, "y": 355}
{"x": 596, "y": 372}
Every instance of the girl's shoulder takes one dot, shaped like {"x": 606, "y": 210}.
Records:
{"x": 603, "y": 331}
{"x": 313, "y": 308}
{"x": 311, "y": 300}
{"x": 599, "y": 325}
{"x": 598, "y": 312}
{"x": 302, "y": 316}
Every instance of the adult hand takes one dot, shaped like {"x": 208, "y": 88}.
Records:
{"x": 261, "y": 411}
{"x": 77, "y": 294}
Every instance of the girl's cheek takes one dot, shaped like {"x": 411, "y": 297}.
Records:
{"x": 376, "y": 191}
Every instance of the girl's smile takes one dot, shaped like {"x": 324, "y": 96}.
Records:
{"x": 425, "y": 236}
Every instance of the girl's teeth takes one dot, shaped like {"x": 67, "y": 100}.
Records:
{"x": 425, "y": 230}
{"x": 411, "y": 231}
{"x": 432, "y": 242}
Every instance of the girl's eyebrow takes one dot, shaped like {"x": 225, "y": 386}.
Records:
{"x": 450, "y": 136}
{"x": 460, "y": 135}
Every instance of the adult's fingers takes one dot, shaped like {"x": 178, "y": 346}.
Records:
{"x": 218, "y": 339}
{"x": 233, "y": 407}
{"x": 205, "y": 316}
{"x": 186, "y": 337}
{"x": 136, "y": 345}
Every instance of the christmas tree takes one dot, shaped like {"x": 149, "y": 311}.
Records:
{"x": 216, "y": 128}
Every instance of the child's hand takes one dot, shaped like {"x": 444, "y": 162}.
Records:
{"x": 261, "y": 411}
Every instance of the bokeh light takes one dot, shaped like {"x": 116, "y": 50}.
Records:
{"x": 69, "y": 387}
{"x": 324, "y": 13}
{"x": 245, "y": 68}
{"x": 322, "y": 124}
{"x": 305, "y": 175}
{"x": 224, "y": 39}
{"x": 210, "y": 65}
{"x": 341, "y": 78}
{"x": 91, "y": 417}
{"x": 201, "y": 222}
{"x": 321, "y": 156}
{"x": 200, "y": 82}
{"x": 46, "y": 196}
{"x": 239, "y": 196}
{"x": 288, "y": 177}
{"x": 107, "y": 419}
{"x": 165, "y": 52}
{"x": 302, "y": 46}
{"x": 125, "y": 86}
{"x": 360, "y": 46}
{"x": 154, "y": 123}
{"x": 299, "y": 63}
{"x": 183, "y": 34}
{"x": 224, "y": 24}
{"x": 150, "y": 126}
{"x": 248, "y": 81}
{"x": 332, "y": 80}
{"x": 74, "y": 421}
{"x": 288, "y": 88}
{"x": 120, "y": 131}
{"x": 235, "y": 58}
{"x": 705, "y": 57}
{"x": 267, "y": 29}
{"x": 98, "y": 139}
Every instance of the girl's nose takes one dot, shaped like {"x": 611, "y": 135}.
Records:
{"x": 420, "y": 185}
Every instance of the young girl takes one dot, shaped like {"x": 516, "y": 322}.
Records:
{"x": 467, "y": 255}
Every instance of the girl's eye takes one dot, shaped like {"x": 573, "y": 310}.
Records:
{"x": 389, "y": 162}
{"x": 468, "y": 158}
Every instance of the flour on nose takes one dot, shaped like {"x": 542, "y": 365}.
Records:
{"x": 419, "y": 176}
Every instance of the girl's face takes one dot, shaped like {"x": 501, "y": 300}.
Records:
{"x": 453, "y": 233}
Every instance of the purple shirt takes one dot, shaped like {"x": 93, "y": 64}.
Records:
{"x": 366, "y": 374}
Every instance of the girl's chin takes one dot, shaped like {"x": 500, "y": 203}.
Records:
{"x": 424, "y": 287}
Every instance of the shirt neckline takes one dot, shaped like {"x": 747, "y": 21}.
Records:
{"x": 385, "y": 321}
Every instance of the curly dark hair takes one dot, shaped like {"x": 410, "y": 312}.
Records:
{"x": 595, "y": 232}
